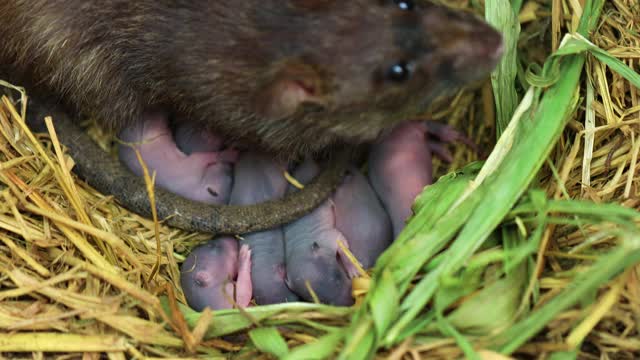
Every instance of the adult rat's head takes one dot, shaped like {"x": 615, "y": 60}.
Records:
{"x": 307, "y": 74}
{"x": 351, "y": 69}
{"x": 290, "y": 76}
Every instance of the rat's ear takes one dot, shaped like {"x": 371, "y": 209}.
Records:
{"x": 293, "y": 86}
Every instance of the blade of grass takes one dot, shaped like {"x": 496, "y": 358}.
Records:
{"x": 230, "y": 321}
{"x": 580, "y": 207}
{"x": 319, "y": 349}
{"x": 270, "y": 341}
{"x": 503, "y": 17}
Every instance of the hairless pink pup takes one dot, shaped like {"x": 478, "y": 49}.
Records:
{"x": 400, "y": 165}
{"x": 202, "y": 172}
{"x": 216, "y": 275}
{"x": 361, "y": 218}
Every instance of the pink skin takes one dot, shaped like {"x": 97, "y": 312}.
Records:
{"x": 244, "y": 285}
{"x": 399, "y": 168}
{"x": 361, "y": 218}
{"x": 312, "y": 252}
{"x": 200, "y": 176}
{"x": 400, "y": 165}
{"x": 208, "y": 273}
{"x": 259, "y": 178}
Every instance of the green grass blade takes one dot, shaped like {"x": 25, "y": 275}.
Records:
{"x": 384, "y": 302}
{"x": 504, "y": 18}
{"x": 231, "y": 321}
{"x": 494, "y": 307}
{"x": 322, "y": 348}
{"x": 564, "y": 355}
{"x": 269, "y": 340}
{"x": 580, "y": 207}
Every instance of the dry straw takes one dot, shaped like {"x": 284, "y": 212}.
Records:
{"x": 533, "y": 258}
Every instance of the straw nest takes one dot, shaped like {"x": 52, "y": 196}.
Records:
{"x": 554, "y": 276}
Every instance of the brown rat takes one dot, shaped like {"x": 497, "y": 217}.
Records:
{"x": 288, "y": 77}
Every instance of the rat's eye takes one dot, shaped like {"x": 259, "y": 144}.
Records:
{"x": 399, "y": 72}
{"x": 406, "y": 5}
{"x": 315, "y": 247}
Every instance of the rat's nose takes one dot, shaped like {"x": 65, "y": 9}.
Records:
{"x": 473, "y": 44}
{"x": 477, "y": 53}
{"x": 487, "y": 45}
{"x": 465, "y": 47}
{"x": 498, "y": 50}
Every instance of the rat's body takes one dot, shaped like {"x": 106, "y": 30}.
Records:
{"x": 258, "y": 178}
{"x": 288, "y": 77}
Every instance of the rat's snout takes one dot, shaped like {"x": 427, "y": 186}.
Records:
{"x": 483, "y": 47}
{"x": 465, "y": 47}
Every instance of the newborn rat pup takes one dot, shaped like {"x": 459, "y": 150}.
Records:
{"x": 260, "y": 178}
{"x": 313, "y": 257}
{"x": 286, "y": 77}
{"x": 207, "y": 275}
{"x": 204, "y": 175}
{"x": 400, "y": 165}
{"x": 361, "y": 218}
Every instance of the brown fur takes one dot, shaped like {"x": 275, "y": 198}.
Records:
{"x": 290, "y": 77}
{"x": 224, "y": 65}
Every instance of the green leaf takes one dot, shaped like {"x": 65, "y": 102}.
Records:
{"x": 564, "y": 355}
{"x": 270, "y": 341}
{"x": 492, "y": 308}
{"x": 504, "y": 18}
{"x": 322, "y": 348}
{"x": 384, "y": 302}
{"x": 231, "y": 321}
